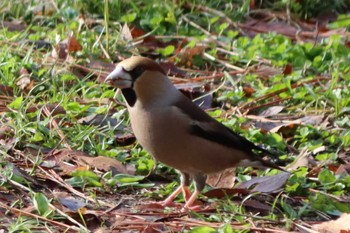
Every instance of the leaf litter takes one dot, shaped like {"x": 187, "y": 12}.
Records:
{"x": 117, "y": 210}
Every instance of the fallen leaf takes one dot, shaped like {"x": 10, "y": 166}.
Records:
{"x": 224, "y": 192}
{"x": 302, "y": 160}
{"x": 185, "y": 56}
{"x": 288, "y": 69}
{"x": 248, "y": 91}
{"x": 70, "y": 160}
{"x": 343, "y": 169}
{"x": 266, "y": 71}
{"x": 54, "y": 109}
{"x": 171, "y": 69}
{"x": 257, "y": 206}
{"x": 334, "y": 226}
{"x": 271, "y": 111}
{"x": 24, "y": 81}
{"x": 126, "y": 33}
{"x": 148, "y": 40}
{"x": 224, "y": 179}
{"x": 104, "y": 163}
{"x": 5, "y": 132}
{"x": 125, "y": 139}
{"x": 71, "y": 203}
{"x": 100, "y": 120}
{"x": 65, "y": 47}
{"x": 266, "y": 184}
{"x": 13, "y": 26}
{"x": 73, "y": 44}
{"x": 5, "y": 90}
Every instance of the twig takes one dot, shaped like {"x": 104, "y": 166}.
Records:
{"x": 98, "y": 40}
{"x": 211, "y": 37}
{"x": 228, "y": 65}
{"x": 22, "y": 212}
{"x": 68, "y": 217}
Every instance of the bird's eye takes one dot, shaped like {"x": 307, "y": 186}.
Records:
{"x": 137, "y": 71}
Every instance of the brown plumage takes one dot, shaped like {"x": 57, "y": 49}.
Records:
{"x": 177, "y": 132}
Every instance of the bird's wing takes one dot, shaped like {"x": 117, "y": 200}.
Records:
{"x": 204, "y": 126}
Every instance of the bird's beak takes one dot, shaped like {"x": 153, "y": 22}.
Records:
{"x": 119, "y": 78}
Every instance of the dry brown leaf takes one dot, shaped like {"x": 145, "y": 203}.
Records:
{"x": 5, "y": 90}
{"x": 288, "y": 69}
{"x": 185, "y": 56}
{"x": 301, "y": 160}
{"x": 13, "y": 26}
{"x": 5, "y": 132}
{"x": 24, "y": 82}
{"x": 334, "y": 226}
{"x": 248, "y": 91}
{"x": 343, "y": 169}
{"x": 271, "y": 111}
{"x": 53, "y": 108}
{"x": 224, "y": 179}
{"x": 224, "y": 192}
{"x": 171, "y": 69}
{"x": 257, "y": 205}
{"x": 149, "y": 40}
{"x": 65, "y": 47}
{"x": 81, "y": 160}
{"x": 126, "y": 33}
{"x": 73, "y": 44}
{"x": 266, "y": 71}
{"x": 104, "y": 163}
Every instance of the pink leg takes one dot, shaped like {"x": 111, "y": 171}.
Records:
{"x": 190, "y": 201}
{"x": 186, "y": 193}
{"x": 169, "y": 200}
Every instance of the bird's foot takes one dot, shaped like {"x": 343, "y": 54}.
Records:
{"x": 194, "y": 208}
{"x": 168, "y": 203}
{"x": 159, "y": 205}
{"x": 198, "y": 207}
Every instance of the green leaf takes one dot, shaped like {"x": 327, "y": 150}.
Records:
{"x": 85, "y": 174}
{"x": 16, "y": 104}
{"x": 76, "y": 108}
{"x": 326, "y": 177}
{"x": 203, "y": 229}
{"x": 41, "y": 203}
{"x": 169, "y": 50}
{"x": 342, "y": 22}
{"x": 124, "y": 178}
{"x": 288, "y": 209}
{"x": 227, "y": 228}
{"x": 128, "y": 18}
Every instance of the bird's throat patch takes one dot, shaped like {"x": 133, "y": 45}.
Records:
{"x": 130, "y": 96}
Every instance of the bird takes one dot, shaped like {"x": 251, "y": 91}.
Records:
{"x": 177, "y": 132}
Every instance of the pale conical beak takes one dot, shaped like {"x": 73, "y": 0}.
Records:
{"x": 119, "y": 78}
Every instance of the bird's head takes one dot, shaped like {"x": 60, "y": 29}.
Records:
{"x": 141, "y": 79}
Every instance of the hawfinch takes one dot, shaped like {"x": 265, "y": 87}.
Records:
{"x": 177, "y": 132}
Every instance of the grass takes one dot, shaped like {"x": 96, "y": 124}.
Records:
{"x": 48, "y": 141}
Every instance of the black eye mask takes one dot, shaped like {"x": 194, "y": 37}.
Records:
{"x": 136, "y": 72}
{"x": 129, "y": 93}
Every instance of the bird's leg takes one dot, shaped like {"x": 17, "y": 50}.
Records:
{"x": 169, "y": 200}
{"x": 199, "y": 183}
{"x": 185, "y": 181}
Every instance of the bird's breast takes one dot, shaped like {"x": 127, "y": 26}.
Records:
{"x": 164, "y": 133}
